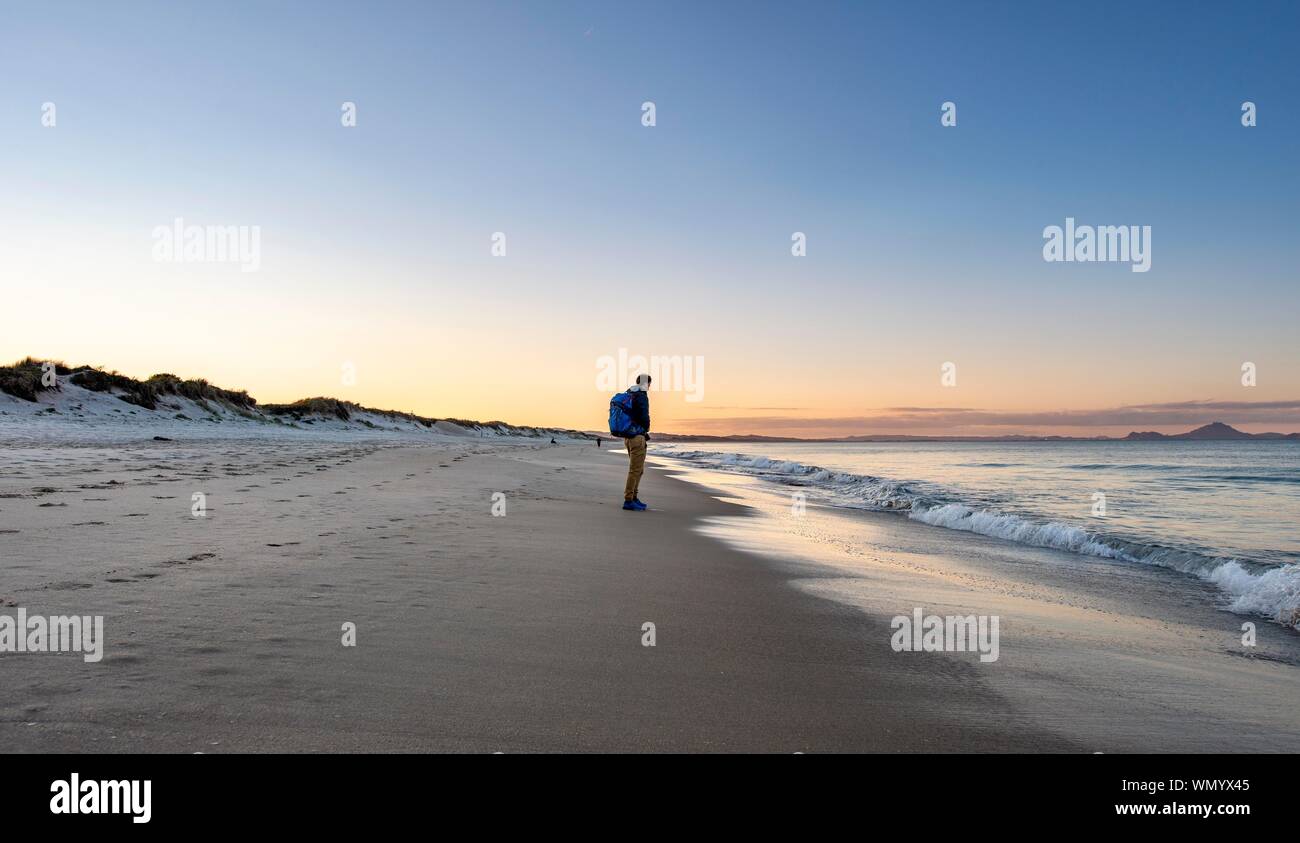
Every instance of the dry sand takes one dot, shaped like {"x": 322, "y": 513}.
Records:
{"x": 475, "y": 633}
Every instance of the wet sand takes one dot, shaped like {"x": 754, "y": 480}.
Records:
{"x": 474, "y": 633}
{"x": 1113, "y": 656}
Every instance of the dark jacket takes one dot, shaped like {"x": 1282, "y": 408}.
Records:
{"x": 640, "y": 409}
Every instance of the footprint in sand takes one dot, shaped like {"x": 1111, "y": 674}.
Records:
{"x": 198, "y": 557}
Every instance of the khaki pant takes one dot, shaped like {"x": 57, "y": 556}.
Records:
{"x": 636, "y": 465}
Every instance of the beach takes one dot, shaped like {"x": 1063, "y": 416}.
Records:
{"x": 1109, "y": 655}
{"x": 333, "y": 578}
{"x": 474, "y": 632}
{"x": 971, "y": 406}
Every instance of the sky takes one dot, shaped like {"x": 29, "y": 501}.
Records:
{"x": 923, "y": 303}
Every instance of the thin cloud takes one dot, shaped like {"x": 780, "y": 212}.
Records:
{"x": 768, "y": 409}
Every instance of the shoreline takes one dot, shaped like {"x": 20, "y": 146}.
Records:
{"x": 1116, "y": 657}
{"x": 1236, "y": 543}
{"x": 474, "y": 633}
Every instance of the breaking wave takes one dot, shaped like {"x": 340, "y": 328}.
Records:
{"x": 1248, "y": 587}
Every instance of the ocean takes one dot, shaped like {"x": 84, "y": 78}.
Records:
{"x": 1224, "y": 512}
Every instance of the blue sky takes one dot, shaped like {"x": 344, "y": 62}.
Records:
{"x": 924, "y": 241}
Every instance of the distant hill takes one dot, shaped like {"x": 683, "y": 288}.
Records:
{"x": 1217, "y": 431}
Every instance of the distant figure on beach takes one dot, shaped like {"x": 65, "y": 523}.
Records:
{"x": 597, "y": 441}
{"x": 553, "y": 442}
{"x": 629, "y": 418}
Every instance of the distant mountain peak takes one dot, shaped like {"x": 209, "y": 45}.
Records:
{"x": 1213, "y": 430}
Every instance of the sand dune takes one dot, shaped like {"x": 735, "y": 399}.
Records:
{"x": 86, "y": 406}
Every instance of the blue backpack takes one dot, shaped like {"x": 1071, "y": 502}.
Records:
{"x": 620, "y": 418}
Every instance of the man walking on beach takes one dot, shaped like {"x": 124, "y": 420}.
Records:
{"x": 640, "y": 414}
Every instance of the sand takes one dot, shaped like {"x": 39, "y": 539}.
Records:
{"x": 1112, "y": 656}
{"x": 474, "y": 633}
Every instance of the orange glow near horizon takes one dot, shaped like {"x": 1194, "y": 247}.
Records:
{"x": 455, "y": 374}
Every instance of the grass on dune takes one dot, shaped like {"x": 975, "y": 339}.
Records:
{"x": 23, "y": 380}
{"x": 148, "y": 393}
{"x": 342, "y": 410}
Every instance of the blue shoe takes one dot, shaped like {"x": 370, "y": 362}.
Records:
{"x": 633, "y": 506}
{"x": 644, "y": 505}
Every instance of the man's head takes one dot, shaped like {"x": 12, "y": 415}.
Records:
{"x": 643, "y": 381}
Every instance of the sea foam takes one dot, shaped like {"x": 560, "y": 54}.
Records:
{"x": 1272, "y": 591}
